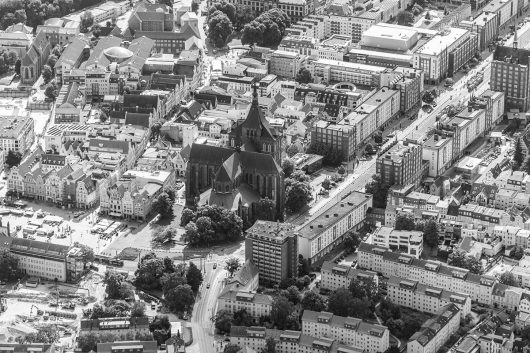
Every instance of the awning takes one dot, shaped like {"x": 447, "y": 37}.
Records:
{"x": 114, "y": 214}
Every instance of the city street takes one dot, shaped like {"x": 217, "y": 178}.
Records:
{"x": 418, "y": 128}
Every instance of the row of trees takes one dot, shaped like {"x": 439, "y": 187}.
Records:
{"x": 298, "y": 192}
{"x": 178, "y": 282}
{"x": 332, "y": 157}
{"x": 35, "y": 12}
{"x": 9, "y": 270}
{"x": 210, "y": 224}
{"x": 8, "y": 58}
{"x": 224, "y": 18}
{"x": 267, "y": 29}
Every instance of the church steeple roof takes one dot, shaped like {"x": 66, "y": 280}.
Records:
{"x": 256, "y": 119}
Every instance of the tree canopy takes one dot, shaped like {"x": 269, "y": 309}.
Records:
{"x": 219, "y": 28}
{"x": 303, "y": 76}
{"x": 267, "y": 29}
{"x": 226, "y": 225}
{"x": 379, "y": 190}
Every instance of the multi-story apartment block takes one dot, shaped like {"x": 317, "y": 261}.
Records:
{"x": 445, "y": 53}
{"x": 334, "y": 276}
{"x": 410, "y": 241}
{"x": 340, "y": 138}
{"x": 16, "y": 133}
{"x": 295, "y": 9}
{"x": 431, "y": 273}
{"x": 510, "y": 74}
{"x": 273, "y": 248}
{"x": 129, "y": 346}
{"x": 421, "y": 297}
{"x": 485, "y": 25}
{"x": 287, "y": 341}
{"x": 350, "y": 331}
{"x": 304, "y": 45}
{"x": 438, "y": 151}
{"x": 401, "y": 164}
{"x": 435, "y": 332}
{"x": 325, "y": 232}
{"x": 257, "y": 305}
{"x": 409, "y": 82}
{"x": 328, "y": 71}
{"x": 505, "y": 10}
{"x": 464, "y": 128}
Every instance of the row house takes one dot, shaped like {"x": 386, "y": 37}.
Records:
{"x": 335, "y": 276}
{"x": 257, "y": 305}
{"x": 350, "y": 331}
{"x": 417, "y": 296}
{"x": 431, "y": 273}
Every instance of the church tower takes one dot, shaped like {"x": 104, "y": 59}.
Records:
{"x": 255, "y": 134}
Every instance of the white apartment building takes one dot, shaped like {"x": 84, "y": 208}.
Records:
{"x": 334, "y": 276}
{"x": 257, "y": 305}
{"x": 328, "y": 71}
{"x": 421, "y": 297}
{"x": 326, "y": 231}
{"x": 285, "y": 64}
{"x": 388, "y": 237}
{"x": 287, "y": 341}
{"x": 435, "y": 332}
{"x": 350, "y": 331}
{"x": 431, "y": 273}
{"x": 40, "y": 259}
{"x": 16, "y": 133}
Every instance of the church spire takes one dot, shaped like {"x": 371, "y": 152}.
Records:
{"x": 255, "y": 95}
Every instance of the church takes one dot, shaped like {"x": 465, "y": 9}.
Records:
{"x": 239, "y": 176}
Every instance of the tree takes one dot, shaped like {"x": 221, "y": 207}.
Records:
{"x": 186, "y": 217}
{"x": 292, "y": 294}
{"x": 313, "y": 301}
{"x": 232, "y": 265}
{"x": 9, "y": 270}
{"x": 117, "y": 288}
{"x": 47, "y": 74}
{"x": 393, "y": 349}
{"x": 379, "y": 190}
{"x": 244, "y": 15}
{"x": 225, "y": 7}
{"x": 87, "y": 253}
{"x": 428, "y": 16}
{"x": 149, "y": 273}
{"x": 288, "y": 167}
{"x": 267, "y": 29}
{"x": 404, "y": 222}
{"x": 194, "y": 277}
{"x": 297, "y": 194}
{"x": 52, "y": 60}
{"x": 303, "y": 76}
{"x": 231, "y": 348}
{"x": 293, "y": 149}
{"x": 87, "y": 20}
{"x": 88, "y": 342}
{"x": 430, "y": 233}
{"x": 160, "y": 322}
{"x": 427, "y": 97}
{"x": 163, "y": 206}
{"x": 518, "y": 253}
{"x": 180, "y": 298}
{"x": 351, "y": 241}
{"x": 44, "y": 334}
{"x": 517, "y": 155}
{"x": 303, "y": 266}
{"x": 341, "y": 170}
{"x": 405, "y": 18}
{"x": 18, "y": 64}
{"x": 13, "y": 158}
{"x": 191, "y": 234}
{"x": 223, "y": 320}
{"x": 242, "y": 318}
{"x": 509, "y": 279}
{"x": 205, "y": 229}
{"x": 164, "y": 235}
{"x": 96, "y": 30}
{"x": 265, "y": 209}
{"x": 170, "y": 281}
{"x": 459, "y": 258}
{"x": 138, "y": 309}
{"x": 270, "y": 345}
{"x": 341, "y": 302}
{"x": 219, "y": 28}
{"x": 280, "y": 311}
{"x": 51, "y": 91}
{"x": 326, "y": 184}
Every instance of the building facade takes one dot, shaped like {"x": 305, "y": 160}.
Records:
{"x": 273, "y": 248}
{"x": 402, "y": 164}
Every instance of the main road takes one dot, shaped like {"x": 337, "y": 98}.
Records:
{"x": 417, "y": 129}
